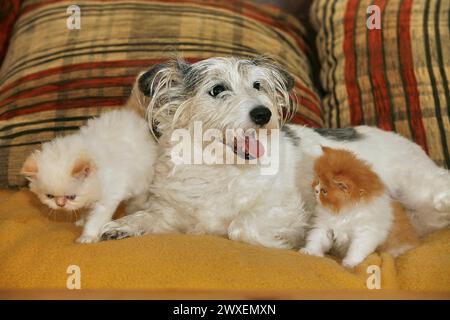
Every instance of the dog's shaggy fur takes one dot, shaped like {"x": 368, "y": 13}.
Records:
{"x": 236, "y": 200}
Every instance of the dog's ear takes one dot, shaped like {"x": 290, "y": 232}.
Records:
{"x": 277, "y": 70}
{"x": 163, "y": 88}
{"x": 174, "y": 70}
{"x": 288, "y": 79}
{"x": 147, "y": 79}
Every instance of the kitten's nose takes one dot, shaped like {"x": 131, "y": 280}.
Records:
{"x": 260, "y": 115}
{"x": 60, "y": 202}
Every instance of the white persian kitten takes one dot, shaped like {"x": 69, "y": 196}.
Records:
{"x": 355, "y": 214}
{"x": 108, "y": 161}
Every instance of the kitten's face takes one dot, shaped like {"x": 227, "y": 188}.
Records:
{"x": 63, "y": 184}
{"x": 343, "y": 180}
{"x": 335, "y": 192}
{"x": 73, "y": 196}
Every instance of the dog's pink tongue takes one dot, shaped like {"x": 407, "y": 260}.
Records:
{"x": 253, "y": 147}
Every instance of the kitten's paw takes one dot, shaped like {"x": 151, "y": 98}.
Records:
{"x": 350, "y": 262}
{"x": 282, "y": 242}
{"x": 79, "y": 223}
{"x": 305, "y": 251}
{"x": 442, "y": 202}
{"x": 311, "y": 252}
{"x": 87, "y": 239}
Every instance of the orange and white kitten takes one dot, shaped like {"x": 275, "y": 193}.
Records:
{"x": 108, "y": 161}
{"x": 354, "y": 213}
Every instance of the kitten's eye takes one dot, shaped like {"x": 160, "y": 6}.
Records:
{"x": 257, "y": 85}
{"x": 218, "y": 89}
{"x": 50, "y": 196}
{"x": 71, "y": 197}
{"x": 323, "y": 191}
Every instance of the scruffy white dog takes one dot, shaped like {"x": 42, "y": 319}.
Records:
{"x": 237, "y": 200}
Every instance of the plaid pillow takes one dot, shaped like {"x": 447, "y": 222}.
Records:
{"x": 395, "y": 77}
{"x": 8, "y": 15}
{"x": 53, "y": 79}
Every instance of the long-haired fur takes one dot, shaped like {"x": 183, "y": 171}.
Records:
{"x": 345, "y": 179}
{"x": 237, "y": 200}
{"x": 355, "y": 214}
{"x": 177, "y": 88}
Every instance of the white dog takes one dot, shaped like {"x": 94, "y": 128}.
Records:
{"x": 238, "y": 201}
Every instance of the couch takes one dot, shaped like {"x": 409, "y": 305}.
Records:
{"x": 52, "y": 79}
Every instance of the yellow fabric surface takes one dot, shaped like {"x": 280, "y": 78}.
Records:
{"x": 36, "y": 251}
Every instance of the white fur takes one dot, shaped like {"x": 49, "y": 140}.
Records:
{"x": 357, "y": 230}
{"x": 226, "y": 200}
{"x": 236, "y": 200}
{"x": 122, "y": 152}
{"x": 410, "y": 176}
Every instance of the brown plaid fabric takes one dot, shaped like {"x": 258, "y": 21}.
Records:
{"x": 395, "y": 77}
{"x": 8, "y": 15}
{"x": 53, "y": 79}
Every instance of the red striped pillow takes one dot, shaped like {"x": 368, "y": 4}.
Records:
{"x": 395, "y": 77}
{"x": 53, "y": 79}
{"x": 8, "y": 15}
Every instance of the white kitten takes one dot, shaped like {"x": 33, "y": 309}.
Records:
{"x": 355, "y": 214}
{"x": 108, "y": 161}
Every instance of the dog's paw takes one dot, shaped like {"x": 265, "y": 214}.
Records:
{"x": 116, "y": 231}
{"x": 87, "y": 239}
{"x": 115, "y": 235}
{"x": 442, "y": 202}
{"x": 310, "y": 252}
{"x": 236, "y": 231}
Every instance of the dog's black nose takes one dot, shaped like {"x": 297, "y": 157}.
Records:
{"x": 260, "y": 115}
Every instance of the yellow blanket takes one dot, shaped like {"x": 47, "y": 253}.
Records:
{"x": 36, "y": 251}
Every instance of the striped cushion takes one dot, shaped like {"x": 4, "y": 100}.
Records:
{"x": 53, "y": 79}
{"x": 8, "y": 15}
{"x": 395, "y": 77}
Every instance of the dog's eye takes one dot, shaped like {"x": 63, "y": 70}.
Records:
{"x": 323, "y": 191}
{"x": 71, "y": 197}
{"x": 218, "y": 89}
{"x": 257, "y": 85}
{"x": 50, "y": 196}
